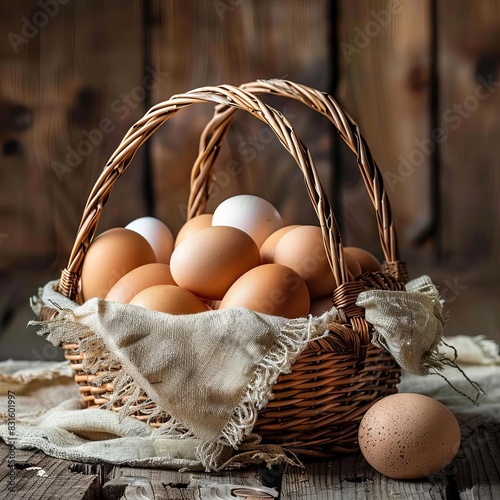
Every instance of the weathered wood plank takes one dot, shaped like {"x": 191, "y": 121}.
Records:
{"x": 170, "y": 484}
{"x": 39, "y": 476}
{"x": 384, "y": 84}
{"x": 77, "y": 85}
{"x": 476, "y": 471}
{"x": 208, "y": 43}
{"x": 351, "y": 477}
{"x": 473, "y": 474}
{"x": 469, "y": 55}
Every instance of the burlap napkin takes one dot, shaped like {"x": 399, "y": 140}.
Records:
{"x": 209, "y": 373}
{"x": 408, "y": 324}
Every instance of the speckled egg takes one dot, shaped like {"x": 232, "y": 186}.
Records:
{"x": 409, "y": 436}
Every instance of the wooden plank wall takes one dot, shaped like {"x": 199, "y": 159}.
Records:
{"x": 68, "y": 75}
{"x": 420, "y": 77}
{"x": 210, "y": 43}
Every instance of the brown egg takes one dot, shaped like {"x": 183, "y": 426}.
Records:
{"x": 212, "y": 259}
{"x": 302, "y": 249}
{"x": 139, "y": 279}
{"x": 270, "y": 289}
{"x": 110, "y": 257}
{"x": 269, "y": 245}
{"x": 169, "y": 299}
{"x": 193, "y": 225}
{"x": 367, "y": 261}
{"x": 353, "y": 265}
{"x": 409, "y": 436}
{"x": 320, "y": 306}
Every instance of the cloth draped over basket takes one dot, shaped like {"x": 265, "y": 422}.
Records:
{"x": 211, "y": 372}
{"x": 209, "y": 375}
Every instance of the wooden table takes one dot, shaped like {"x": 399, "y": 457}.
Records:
{"x": 474, "y": 474}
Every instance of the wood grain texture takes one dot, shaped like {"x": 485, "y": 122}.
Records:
{"x": 77, "y": 86}
{"x": 473, "y": 474}
{"x": 70, "y": 76}
{"x": 469, "y": 76}
{"x": 351, "y": 477}
{"x": 384, "y": 83}
{"x": 39, "y": 476}
{"x": 469, "y": 111}
{"x": 476, "y": 472}
{"x": 205, "y": 43}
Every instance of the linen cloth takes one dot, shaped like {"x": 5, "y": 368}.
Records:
{"x": 50, "y": 414}
{"x": 208, "y": 378}
{"x": 208, "y": 374}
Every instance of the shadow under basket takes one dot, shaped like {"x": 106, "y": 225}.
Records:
{"x": 318, "y": 405}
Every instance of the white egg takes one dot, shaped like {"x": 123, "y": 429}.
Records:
{"x": 157, "y": 234}
{"x": 252, "y": 214}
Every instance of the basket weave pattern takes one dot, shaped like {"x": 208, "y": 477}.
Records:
{"x": 319, "y": 404}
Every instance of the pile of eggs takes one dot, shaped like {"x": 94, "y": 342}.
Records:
{"x": 239, "y": 256}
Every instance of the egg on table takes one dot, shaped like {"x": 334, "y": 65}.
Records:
{"x": 409, "y": 436}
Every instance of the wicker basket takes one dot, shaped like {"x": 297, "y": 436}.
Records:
{"x": 318, "y": 406}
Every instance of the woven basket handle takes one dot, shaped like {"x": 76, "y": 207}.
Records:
{"x": 227, "y": 96}
{"x": 202, "y": 178}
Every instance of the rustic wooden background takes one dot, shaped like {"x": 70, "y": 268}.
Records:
{"x": 421, "y": 77}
